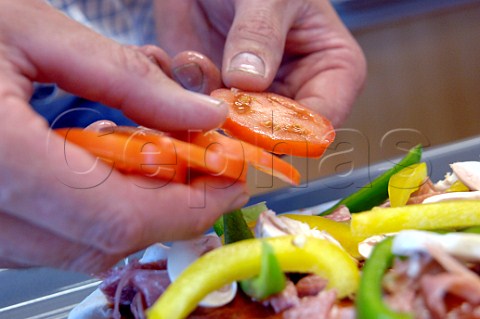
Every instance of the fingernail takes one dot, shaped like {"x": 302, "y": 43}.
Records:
{"x": 102, "y": 125}
{"x": 211, "y": 100}
{"x": 247, "y": 62}
{"x": 190, "y": 76}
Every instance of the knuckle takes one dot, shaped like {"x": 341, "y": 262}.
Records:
{"x": 89, "y": 260}
{"x": 120, "y": 233}
{"x": 260, "y": 28}
{"x": 200, "y": 226}
{"x": 134, "y": 62}
{"x": 203, "y": 221}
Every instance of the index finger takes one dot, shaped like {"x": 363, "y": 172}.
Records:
{"x": 57, "y": 49}
{"x": 77, "y": 197}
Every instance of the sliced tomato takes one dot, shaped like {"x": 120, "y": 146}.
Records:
{"x": 151, "y": 153}
{"x": 275, "y": 123}
{"x": 257, "y": 157}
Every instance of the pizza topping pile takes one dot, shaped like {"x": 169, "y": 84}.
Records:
{"x": 401, "y": 247}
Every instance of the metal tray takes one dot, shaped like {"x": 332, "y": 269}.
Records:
{"x": 45, "y": 293}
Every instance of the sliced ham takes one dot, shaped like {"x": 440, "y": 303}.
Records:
{"x": 340, "y": 214}
{"x": 310, "y": 285}
{"x": 441, "y": 287}
{"x": 313, "y": 307}
{"x": 135, "y": 286}
{"x": 285, "y": 299}
{"x": 458, "y": 280}
{"x": 434, "y": 289}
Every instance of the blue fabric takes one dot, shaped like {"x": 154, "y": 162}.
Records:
{"x": 125, "y": 21}
{"x": 66, "y": 110}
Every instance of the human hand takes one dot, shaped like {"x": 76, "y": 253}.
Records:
{"x": 62, "y": 208}
{"x": 295, "y": 48}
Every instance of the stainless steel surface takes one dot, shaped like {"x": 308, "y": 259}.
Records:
{"x": 41, "y": 293}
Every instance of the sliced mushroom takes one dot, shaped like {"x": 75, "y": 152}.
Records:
{"x": 183, "y": 253}
{"x": 366, "y": 246}
{"x": 468, "y": 173}
{"x": 271, "y": 225}
{"x": 446, "y": 183}
{"x": 154, "y": 253}
{"x": 461, "y": 245}
{"x": 95, "y": 306}
{"x": 452, "y": 196}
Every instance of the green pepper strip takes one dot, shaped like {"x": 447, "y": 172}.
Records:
{"x": 235, "y": 227}
{"x": 270, "y": 280}
{"x": 369, "y": 302}
{"x": 249, "y": 214}
{"x": 376, "y": 192}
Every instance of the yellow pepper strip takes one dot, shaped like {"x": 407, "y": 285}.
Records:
{"x": 403, "y": 183}
{"x": 458, "y": 186}
{"x": 341, "y": 231}
{"x": 242, "y": 260}
{"x": 441, "y": 215}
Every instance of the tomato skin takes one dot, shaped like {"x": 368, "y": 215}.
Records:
{"x": 275, "y": 123}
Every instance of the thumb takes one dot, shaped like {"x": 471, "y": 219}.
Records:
{"x": 89, "y": 65}
{"x": 255, "y": 43}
